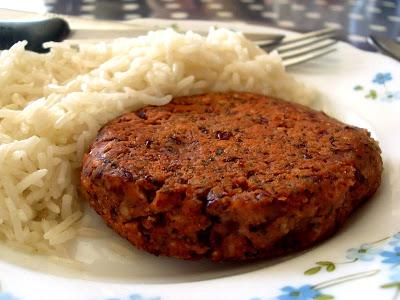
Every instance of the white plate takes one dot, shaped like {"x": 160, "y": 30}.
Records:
{"x": 357, "y": 87}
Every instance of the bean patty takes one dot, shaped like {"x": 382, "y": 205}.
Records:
{"x": 228, "y": 176}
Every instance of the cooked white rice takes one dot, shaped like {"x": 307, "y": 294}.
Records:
{"x": 52, "y": 106}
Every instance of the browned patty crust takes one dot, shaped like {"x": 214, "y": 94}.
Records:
{"x": 228, "y": 176}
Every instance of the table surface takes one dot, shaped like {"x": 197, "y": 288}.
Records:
{"x": 355, "y": 19}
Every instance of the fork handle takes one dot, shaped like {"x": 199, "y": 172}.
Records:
{"x": 36, "y": 32}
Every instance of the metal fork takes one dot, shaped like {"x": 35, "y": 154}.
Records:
{"x": 302, "y": 48}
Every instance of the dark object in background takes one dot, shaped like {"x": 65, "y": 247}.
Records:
{"x": 35, "y": 31}
{"x": 386, "y": 46}
{"x": 228, "y": 176}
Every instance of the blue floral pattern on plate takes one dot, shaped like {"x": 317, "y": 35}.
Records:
{"x": 382, "y": 91}
{"x": 391, "y": 257}
{"x": 382, "y": 78}
{"x": 304, "y": 292}
{"x": 386, "y": 250}
{"x": 365, "y": 253}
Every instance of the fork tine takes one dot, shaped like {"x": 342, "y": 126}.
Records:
{"x": 303, "y": 48}
{"x": 310, "y": 56}
{"x": 328, "y": 32}
{"x": 306, "y": 50}
{"x": 309, "y": 35}
{"x": 300, "y": 45}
